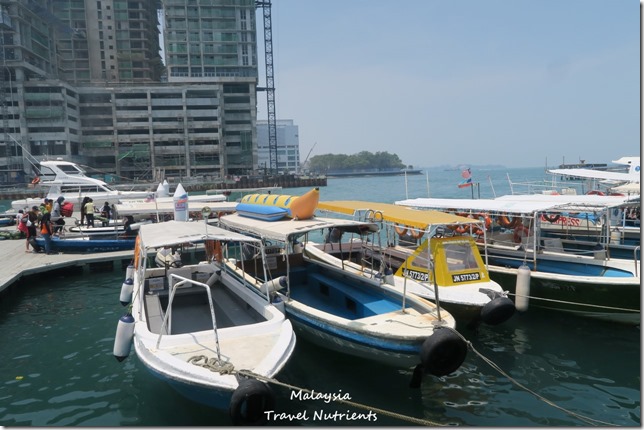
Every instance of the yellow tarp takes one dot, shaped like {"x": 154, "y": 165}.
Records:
{"x": 397, "y": 214}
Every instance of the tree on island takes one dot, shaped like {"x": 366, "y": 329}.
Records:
{"x": 360, "y": 161}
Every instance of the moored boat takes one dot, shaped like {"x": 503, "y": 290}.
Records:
{"x": 587, "y": 282}
{"x": 343, "y": 311}
{"x": 445, "y": 270}
{"x": 198, "y": 327}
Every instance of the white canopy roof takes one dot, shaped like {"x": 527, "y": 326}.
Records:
{"x": 284, "y": 229}
{"x": 522, "y": 204}
{"x": 151, "y": 208}
{"x": 171, "y": 233}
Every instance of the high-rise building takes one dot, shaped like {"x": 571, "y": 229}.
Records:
{"x": 83, "y": 79}
{"x": 288, "y": 146}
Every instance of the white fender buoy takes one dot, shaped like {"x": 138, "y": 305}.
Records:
{"x": 166, "y": 188}
{"x": 389, "y": 276}
{"x": 124, "y": 336}
{"x": 273, "y": 285}
{"x": 522, "y": 288}
{"x": 126, "y": 291}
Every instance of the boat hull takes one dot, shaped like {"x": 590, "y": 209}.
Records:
{"x": 88, "y": 245}
{"x": 607, "y": 299}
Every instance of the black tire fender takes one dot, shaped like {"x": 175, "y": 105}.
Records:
{"x": 497, "y": 311}
{"x": 443, "y": 352}
{"x": 249, "y": 402}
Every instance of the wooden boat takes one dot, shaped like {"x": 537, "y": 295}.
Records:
{"x": 448, "y": 271}
{"x": 199, "y": 327}
{"x": 588, "y": 283}
{"x": 343, "y": 311}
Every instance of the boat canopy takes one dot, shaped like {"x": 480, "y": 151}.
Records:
{"x": 141, "y": 208}
{"x": 285, "y": 229}
{"x": 524, "y": 204}
{"x": 398, "y": 214}
{"x": 172, "y": 233}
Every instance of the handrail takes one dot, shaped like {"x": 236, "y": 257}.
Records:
{"x": 637, "y": 248}
{"x": 168, "y": 312}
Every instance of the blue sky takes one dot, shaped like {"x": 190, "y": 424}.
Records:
{"x": 512, "y": 82}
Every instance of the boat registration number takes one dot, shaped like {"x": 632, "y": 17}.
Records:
{"x": 416, "y": 275}
{"x": 466, "y": 277}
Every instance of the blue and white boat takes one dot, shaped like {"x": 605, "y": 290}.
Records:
{"x": 586, "y": 282}
{"x": 85, "y": 244}
{"x": 344, "y": 311}
{"x": 199, "y": 327}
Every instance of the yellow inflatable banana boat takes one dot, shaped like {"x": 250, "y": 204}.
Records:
{"x": 272, "y": 207}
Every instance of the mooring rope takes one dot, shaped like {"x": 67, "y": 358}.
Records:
{"x": 575, "y": 303}
{"x": 396, "y": 415}
{"x": 213, "y": 364}
{"x": 537, "y": 395}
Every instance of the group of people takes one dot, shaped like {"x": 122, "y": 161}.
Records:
{"x": 88, "y": 210}
{"x": 45, "y": 220}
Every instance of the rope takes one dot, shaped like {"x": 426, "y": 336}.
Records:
{"x": 401, "y": 417}
{"x": 575, "y": 303}
{"x": 212, "y": 364}
{"x": 537, "y": 395}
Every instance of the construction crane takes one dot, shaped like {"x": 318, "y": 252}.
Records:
{"x": 270, "y": 87}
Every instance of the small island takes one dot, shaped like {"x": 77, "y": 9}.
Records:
{"x": 364, "y": 163}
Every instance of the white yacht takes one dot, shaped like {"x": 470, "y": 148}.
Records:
{"x": 67, "y": 179}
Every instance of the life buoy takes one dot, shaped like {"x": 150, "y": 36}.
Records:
{"x": 595, "y": 193}
{"x": 551, "y": 218}
{"x": 457, "y": 228}
{"x": 35, "y": 180}
{"x": 497, "y": 311}
{"x": 486, "y": 220}
{"x": 400, "y": 230}
{"x": 504, "y": 221}
{"x": 443, "y": 352}
{"x": 249, "y": 403}
{"x": 520, "y": 232}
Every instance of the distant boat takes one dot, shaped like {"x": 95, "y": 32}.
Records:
{"x": 67, "y": 179}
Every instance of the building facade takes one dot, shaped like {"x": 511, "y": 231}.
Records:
{"x": 288, "y": 146}
{"x": 84, "y": 80}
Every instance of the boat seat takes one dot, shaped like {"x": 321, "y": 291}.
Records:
{"x": 186, "y": 272}
{"x": 371, "y": 304}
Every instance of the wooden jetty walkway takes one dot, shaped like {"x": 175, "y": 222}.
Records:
{"x": 16, "y": 263}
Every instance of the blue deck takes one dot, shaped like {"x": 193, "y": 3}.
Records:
{"x": 338, "y": 297}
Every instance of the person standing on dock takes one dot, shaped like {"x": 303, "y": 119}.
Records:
{"x": 46, "y": 231}
{"x": 21, "y": 225}
{"x": 89, "y": 212}
{"x": 106, "y": 213}
{"x": 82, "y": 210}
{"x": 56, "y": 215}
{"x": 32, "y": 220}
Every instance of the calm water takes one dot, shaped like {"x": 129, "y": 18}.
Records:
{"x": 57, "y": 368}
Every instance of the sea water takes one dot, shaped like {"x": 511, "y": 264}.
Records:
{"x": 538, "y": 369}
